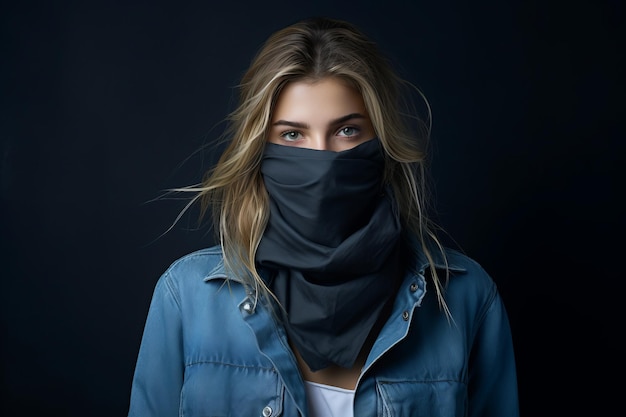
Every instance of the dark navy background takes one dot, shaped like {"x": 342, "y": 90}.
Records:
{"x": 105, "y": 104}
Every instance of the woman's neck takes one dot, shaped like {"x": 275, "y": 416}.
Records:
{"x": 334, "y": 375}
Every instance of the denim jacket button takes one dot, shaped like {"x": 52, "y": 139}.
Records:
{"x": 247, "y": 307}
{"x": 267, "y": 411}
{"x": 413, "y": 287}
{"x": 405, "y": 315}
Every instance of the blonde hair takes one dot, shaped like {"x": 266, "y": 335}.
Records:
{"x": 311, "y": 50}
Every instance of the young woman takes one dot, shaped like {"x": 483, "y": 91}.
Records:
{"x": 329, "y": 294}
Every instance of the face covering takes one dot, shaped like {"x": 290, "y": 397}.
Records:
{"x": 331, "y": 241}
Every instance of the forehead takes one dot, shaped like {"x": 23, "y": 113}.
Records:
{"x": 326, "y": 98}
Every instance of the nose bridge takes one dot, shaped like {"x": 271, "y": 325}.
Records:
{"x": 320, "y": 141}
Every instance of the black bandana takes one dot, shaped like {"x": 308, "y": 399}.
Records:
{"x": 331, "y": 240}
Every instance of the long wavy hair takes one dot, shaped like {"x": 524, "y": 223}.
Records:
{"x": 312, "y": 50}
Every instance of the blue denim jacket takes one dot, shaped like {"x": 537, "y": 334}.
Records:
{"x": 208, "y": 350}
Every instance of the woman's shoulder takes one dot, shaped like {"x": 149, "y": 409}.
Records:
{"x": 458, "y": 261}
{"x": 446, "y": 260}
{"x": 202, "y": 259}
{"x": 462, "y": 276}
{"x": 196, "y": 267}
{"x": 467, "y": 280}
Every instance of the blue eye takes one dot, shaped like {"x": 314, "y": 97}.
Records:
{"x": 348, "y": 131}
{"x": 290, "y": 135}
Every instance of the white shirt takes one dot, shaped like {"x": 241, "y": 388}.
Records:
{"x": 329, "y": 401}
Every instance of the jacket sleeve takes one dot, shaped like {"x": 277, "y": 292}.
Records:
{"x": 492, "y": 371}
{"x": 159, "y": 369}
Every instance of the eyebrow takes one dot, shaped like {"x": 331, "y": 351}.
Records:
{"x": 306, "y": 126}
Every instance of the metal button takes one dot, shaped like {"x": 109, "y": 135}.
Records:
{"x": 413, "y": 287}
{"x": 267, "y": 411}
{"x": 405, "y": 315}
{"x": 247, "y": 307}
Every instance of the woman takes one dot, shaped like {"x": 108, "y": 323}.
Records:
{"x": 329, "y": 294}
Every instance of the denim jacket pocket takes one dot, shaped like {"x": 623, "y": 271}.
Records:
{"x": 213, "y": 389}
{"x": 443, "y": 398}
